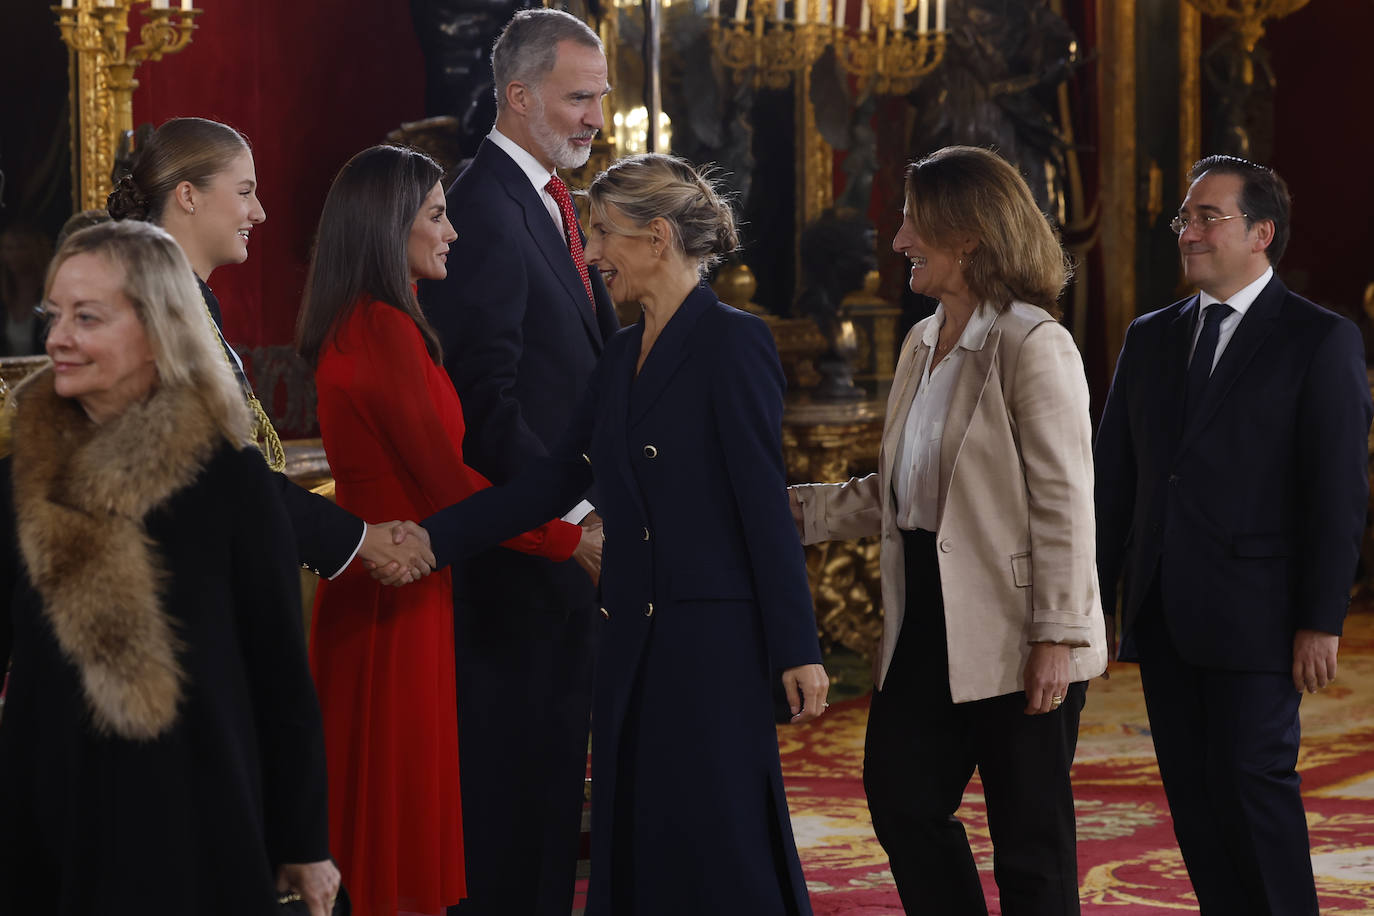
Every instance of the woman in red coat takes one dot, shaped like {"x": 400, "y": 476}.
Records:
{"x": 393, "y": 430}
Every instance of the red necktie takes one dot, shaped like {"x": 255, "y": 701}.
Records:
{"x": 559, "y": 192}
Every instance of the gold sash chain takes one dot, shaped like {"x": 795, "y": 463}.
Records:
{"x": 264, "y": 435}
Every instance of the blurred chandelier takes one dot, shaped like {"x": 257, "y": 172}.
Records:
{"x": 892, "y": 47}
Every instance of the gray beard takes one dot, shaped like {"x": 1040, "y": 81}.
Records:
{"x": 559, "y": 149}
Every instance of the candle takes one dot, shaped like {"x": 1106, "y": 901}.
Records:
{"x": 923, "y": 20}
{"x": 824, "y": 15}
{"x": 740, "y": 8}
{"x": 898, "y": 15}
{"x": 159, "y": 4}
{"x": 864, "y": 14}
{"x": 66, "y": 4}
{"x": 186, "y": 6}
{"x": 802, "y": 11}
{"x": 839, "y": 14}
{"x": 780, "y": 10}
{"x": 939, "y": 15}
{"x": 715, "y": 9}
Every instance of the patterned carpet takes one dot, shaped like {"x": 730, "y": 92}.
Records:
{"x": 1128, "y": 860}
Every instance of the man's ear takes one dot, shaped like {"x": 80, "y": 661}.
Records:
{"x": 518, "y": 96}
{"x": 1264, "y": 235}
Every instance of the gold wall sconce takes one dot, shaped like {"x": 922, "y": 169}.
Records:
{"x": 102, "y": 77}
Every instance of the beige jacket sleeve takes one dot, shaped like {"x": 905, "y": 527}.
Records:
{"x": 840, "y": 511}
{"x": 1048, "y": 401}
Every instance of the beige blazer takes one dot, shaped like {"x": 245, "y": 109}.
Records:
{"x": 1016, "y": 537}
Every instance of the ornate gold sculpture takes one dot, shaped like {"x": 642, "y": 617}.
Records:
{"x": 1248, "y": 17}
{"x": 97, "y": 32}
{"x": 772, "y": 50}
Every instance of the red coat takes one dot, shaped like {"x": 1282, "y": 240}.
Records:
{"x": 383, "y": 657}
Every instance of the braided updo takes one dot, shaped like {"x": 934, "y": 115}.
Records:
{"x": 182, "y": 149}
{"x": 652, "y": 185}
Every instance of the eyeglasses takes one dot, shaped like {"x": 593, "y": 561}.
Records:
{"x": 1180, "y": 224}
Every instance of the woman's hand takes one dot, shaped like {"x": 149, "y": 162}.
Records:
{"x": 807, "y": 687}
{"x": 1047, "y": 677}
{"x": 316, "y": 882}
{"x": 587, "y": 553}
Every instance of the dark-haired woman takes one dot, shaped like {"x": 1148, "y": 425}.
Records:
{"x": 393, "y": 430}
{"x": 704, "y": 595}
{"x": 196, "y": 179}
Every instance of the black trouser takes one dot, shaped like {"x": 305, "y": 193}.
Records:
{"x": 1227, "y": 746}
{"x": 919, "y": 756}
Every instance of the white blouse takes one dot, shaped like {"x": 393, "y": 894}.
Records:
{"x": 916, "y": 466}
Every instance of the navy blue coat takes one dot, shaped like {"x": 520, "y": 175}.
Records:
{"x": 1252, "y": 515}
{"x": 706, "y": 601}
{"x": 520, "y": 341}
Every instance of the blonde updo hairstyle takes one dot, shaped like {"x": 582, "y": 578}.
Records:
{"x": 964, "y": 191}
{"x": 182, "y": 149}
{"x": 160, "y": 285}
{"x": 651, "y": 186}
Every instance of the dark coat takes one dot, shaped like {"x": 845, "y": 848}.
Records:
{"x": 520, "y": 342}
{"x": 325, "y": 535}
{"x": 706, "y": 601}
{"x": 198, "y": 819}
{"x": 1251, "y": 516}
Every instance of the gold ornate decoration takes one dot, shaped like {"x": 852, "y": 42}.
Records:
{"x": 96, "y": 33}
{"x": 1247, "y": 18}
{"x": 886, "y": 53}
{"x": 1117, "y": 166}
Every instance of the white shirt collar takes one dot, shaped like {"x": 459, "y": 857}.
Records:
{"x": 1242, "y": 300}
{"x": 536, "y": 173}
{"x": 975, "y": 332}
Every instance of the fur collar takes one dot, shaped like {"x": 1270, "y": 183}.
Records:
{"x": 81, "y": 493}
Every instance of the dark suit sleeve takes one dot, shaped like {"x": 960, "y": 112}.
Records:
{"x": 747, "y": 399}
{"x": 267, "y": 605}
{"x": 1115, "y": 486}
{"x": 1333, "y": 470}
{"x": 482, "y": 309}
{"x": 326, "y": 536}
{"x": 550, "y": 485}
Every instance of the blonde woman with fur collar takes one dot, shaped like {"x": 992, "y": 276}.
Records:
{"x": 160, "y": 750}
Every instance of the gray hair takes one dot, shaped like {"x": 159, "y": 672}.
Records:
{"x": 527, "y": 48}
{"x": 160, "y": 284}
{"x": 653, "y": 185}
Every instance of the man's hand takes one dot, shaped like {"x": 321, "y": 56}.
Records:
{"x": 807, "y": 687}
{"x": 397, "y": 553}
{"x": 316, "y": 882}
{"x": 798, "y": 515}
{"x": 587, "y": 553}
{"x": 1047, "y": 678}
{"x": 1314, "y": 659}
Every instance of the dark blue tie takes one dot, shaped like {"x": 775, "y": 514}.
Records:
{"x": 1200, "y": 369}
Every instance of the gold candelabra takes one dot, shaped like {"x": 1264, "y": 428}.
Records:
{"x": 1248, "y": 17}
{"x": 102, "y": 77}
{"x": 892, "y": 47}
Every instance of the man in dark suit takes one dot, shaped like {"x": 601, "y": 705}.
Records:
{"x": 523, "y": 321}
{"x": 1231, "y": 491}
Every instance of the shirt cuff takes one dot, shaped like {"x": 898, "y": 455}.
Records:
{"x": 579, "y": 512}
{"x": 361, "y": 538}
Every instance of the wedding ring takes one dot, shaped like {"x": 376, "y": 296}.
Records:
{"x": 1056, "y": 702}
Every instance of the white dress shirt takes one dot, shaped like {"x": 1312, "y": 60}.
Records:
{"x": 539, "y": 176}
{"x": 1240, "y": 304}
{"x": 916, "y": 466}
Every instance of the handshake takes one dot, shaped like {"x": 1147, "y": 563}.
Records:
{"x": 399, "y": 553}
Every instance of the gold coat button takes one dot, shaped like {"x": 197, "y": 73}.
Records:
{"x": 605, "y": 613}
{"x": 649, "y": 609}
{"x": 650, "y": 452}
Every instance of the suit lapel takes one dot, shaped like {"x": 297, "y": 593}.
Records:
{"x": 1253, "y": 330}
{"x": 547, "y": 237}
{"x": 1173, "y": 380}
{"x": 904, "y": 382}
{"x": 669, "y": 351}
{"x": 977, "y": 367}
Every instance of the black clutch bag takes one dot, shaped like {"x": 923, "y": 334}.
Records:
{"x": 293, "y": 904}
